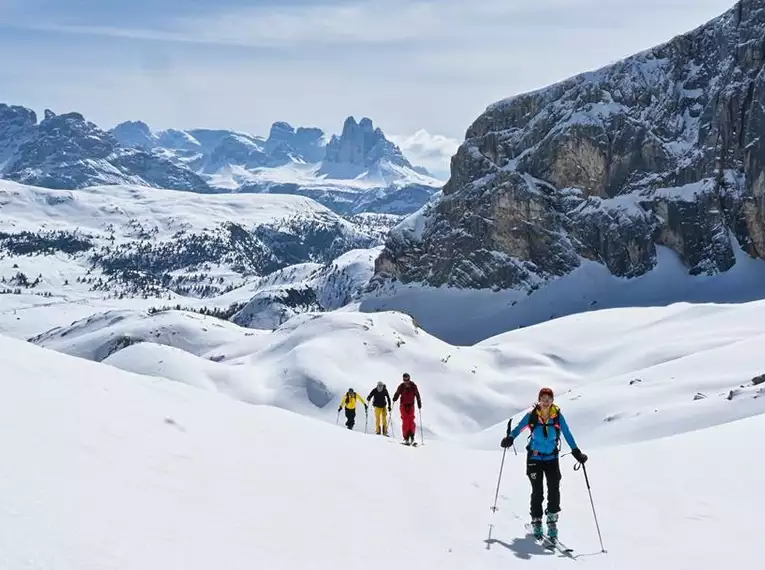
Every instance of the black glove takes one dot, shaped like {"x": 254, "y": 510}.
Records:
{"x": 339, "y": 409}
{"x": 507, "y": 441}
{"x": 366, "y": 408}
{"x": 389, "y": 408}
{"x": 579, "y": 456}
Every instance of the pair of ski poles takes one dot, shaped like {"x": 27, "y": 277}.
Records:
{"x": 576, "y": 468}
{"x": 366, "y": 418}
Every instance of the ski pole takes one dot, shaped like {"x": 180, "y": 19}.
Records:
{"x": 589, "y": 490}
{"x": 337, "y": 421}
{"x": 422, "y": 428}
{"x": 501, "y": 467}
{"x": 390, "y": 423}
{"x": 366, "y": 419}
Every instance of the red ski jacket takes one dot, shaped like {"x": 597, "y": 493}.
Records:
{"x": 408, "y": 391}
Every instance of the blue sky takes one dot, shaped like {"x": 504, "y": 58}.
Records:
{"x": 421, "y": 69}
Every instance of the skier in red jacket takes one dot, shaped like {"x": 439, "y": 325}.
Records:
{"x": 408, "y": 392}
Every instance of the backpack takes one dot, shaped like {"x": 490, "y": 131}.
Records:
{"x": 534, "y": 420}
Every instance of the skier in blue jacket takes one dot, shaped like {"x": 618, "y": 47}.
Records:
{"x": 546, "y": 423}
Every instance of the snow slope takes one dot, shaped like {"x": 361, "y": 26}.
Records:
{"x": 106, "y": 469}
{"x": 620, "y": 374}
{"x": 118, "y": 241}
{"x": 326, "y": 288}
{"x": 95, "y": 209}
{"x": 477, "y": 314}
{"x": 102, "y": 334}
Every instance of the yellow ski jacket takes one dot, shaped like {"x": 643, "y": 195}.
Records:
{"x": 349, "y": 401}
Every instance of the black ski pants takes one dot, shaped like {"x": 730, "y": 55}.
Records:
{"x": 350, "y": 418}
{"x": 536, "y": 470}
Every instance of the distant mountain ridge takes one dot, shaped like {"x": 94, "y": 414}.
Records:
{"x": 359, "y": 170}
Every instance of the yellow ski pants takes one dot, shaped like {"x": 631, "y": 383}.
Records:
{"x": 381, "y": 420}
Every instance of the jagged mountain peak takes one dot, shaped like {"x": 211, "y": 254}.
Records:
{"x": 662, "y": 149}
{"x": 67, "y": 151}
{"x": 17, "y": 112}
{"x": 279, "y": 128}
{"x": 362, "y": 145}
{"x": 134, "y": 134}
{"x": 17, "y": 125}
{"x": 286, "y": 144}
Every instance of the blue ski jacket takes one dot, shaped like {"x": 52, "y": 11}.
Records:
{"x": 545, "y": 436}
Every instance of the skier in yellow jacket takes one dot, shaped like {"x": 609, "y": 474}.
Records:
{"x": 349, "y": 402}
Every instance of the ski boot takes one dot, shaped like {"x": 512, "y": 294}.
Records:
{"x": 536, "y": 526}
{"x": 552, "y": 526}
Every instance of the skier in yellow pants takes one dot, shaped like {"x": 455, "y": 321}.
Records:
{"x": 379, "y": 397}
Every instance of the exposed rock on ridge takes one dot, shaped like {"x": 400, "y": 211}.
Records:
{"x": 663, "y": 148}
{"x": 67, "y": 152}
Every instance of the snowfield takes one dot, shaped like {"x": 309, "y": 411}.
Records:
{"x": 622, "y": 375}
{"x": 107, "y": 469}
{"x": 66, "y": 255}
{"x": 165, "y": 212}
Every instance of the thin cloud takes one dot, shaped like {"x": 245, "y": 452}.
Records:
{"x": 434, "y": 152}
{"x": 383, "y": 22}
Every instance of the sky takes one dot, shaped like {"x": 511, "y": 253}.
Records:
{"x": 422, "y": 70}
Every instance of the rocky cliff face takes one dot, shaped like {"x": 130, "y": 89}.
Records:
{"x": 67, "y": 152}
{"x": 286, "y": 143}
{"x": 134, "y": 134}
{"x": 663, "y": 148}
{"x": 364, "y": 146}
{"x": 17, "y": 125}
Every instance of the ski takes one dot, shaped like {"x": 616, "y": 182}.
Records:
{"x": 559, "y": 546}
{"x": 551, "y": 544}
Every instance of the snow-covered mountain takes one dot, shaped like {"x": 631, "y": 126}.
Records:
{"x": 306, "y": 288}
{"x": 137, "y": 241}
{"x": 358, "y": 171}
{"x": 664, "y": 149}
{"x": 88, "y": 443}
{"x": 68, "y": 152}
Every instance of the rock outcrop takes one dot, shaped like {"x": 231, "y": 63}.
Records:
{"x": 285, "y": 143}
{"x": 67, "y": 152}
{"x": 664, "y": 148}
{"x": 361, "y": 147}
